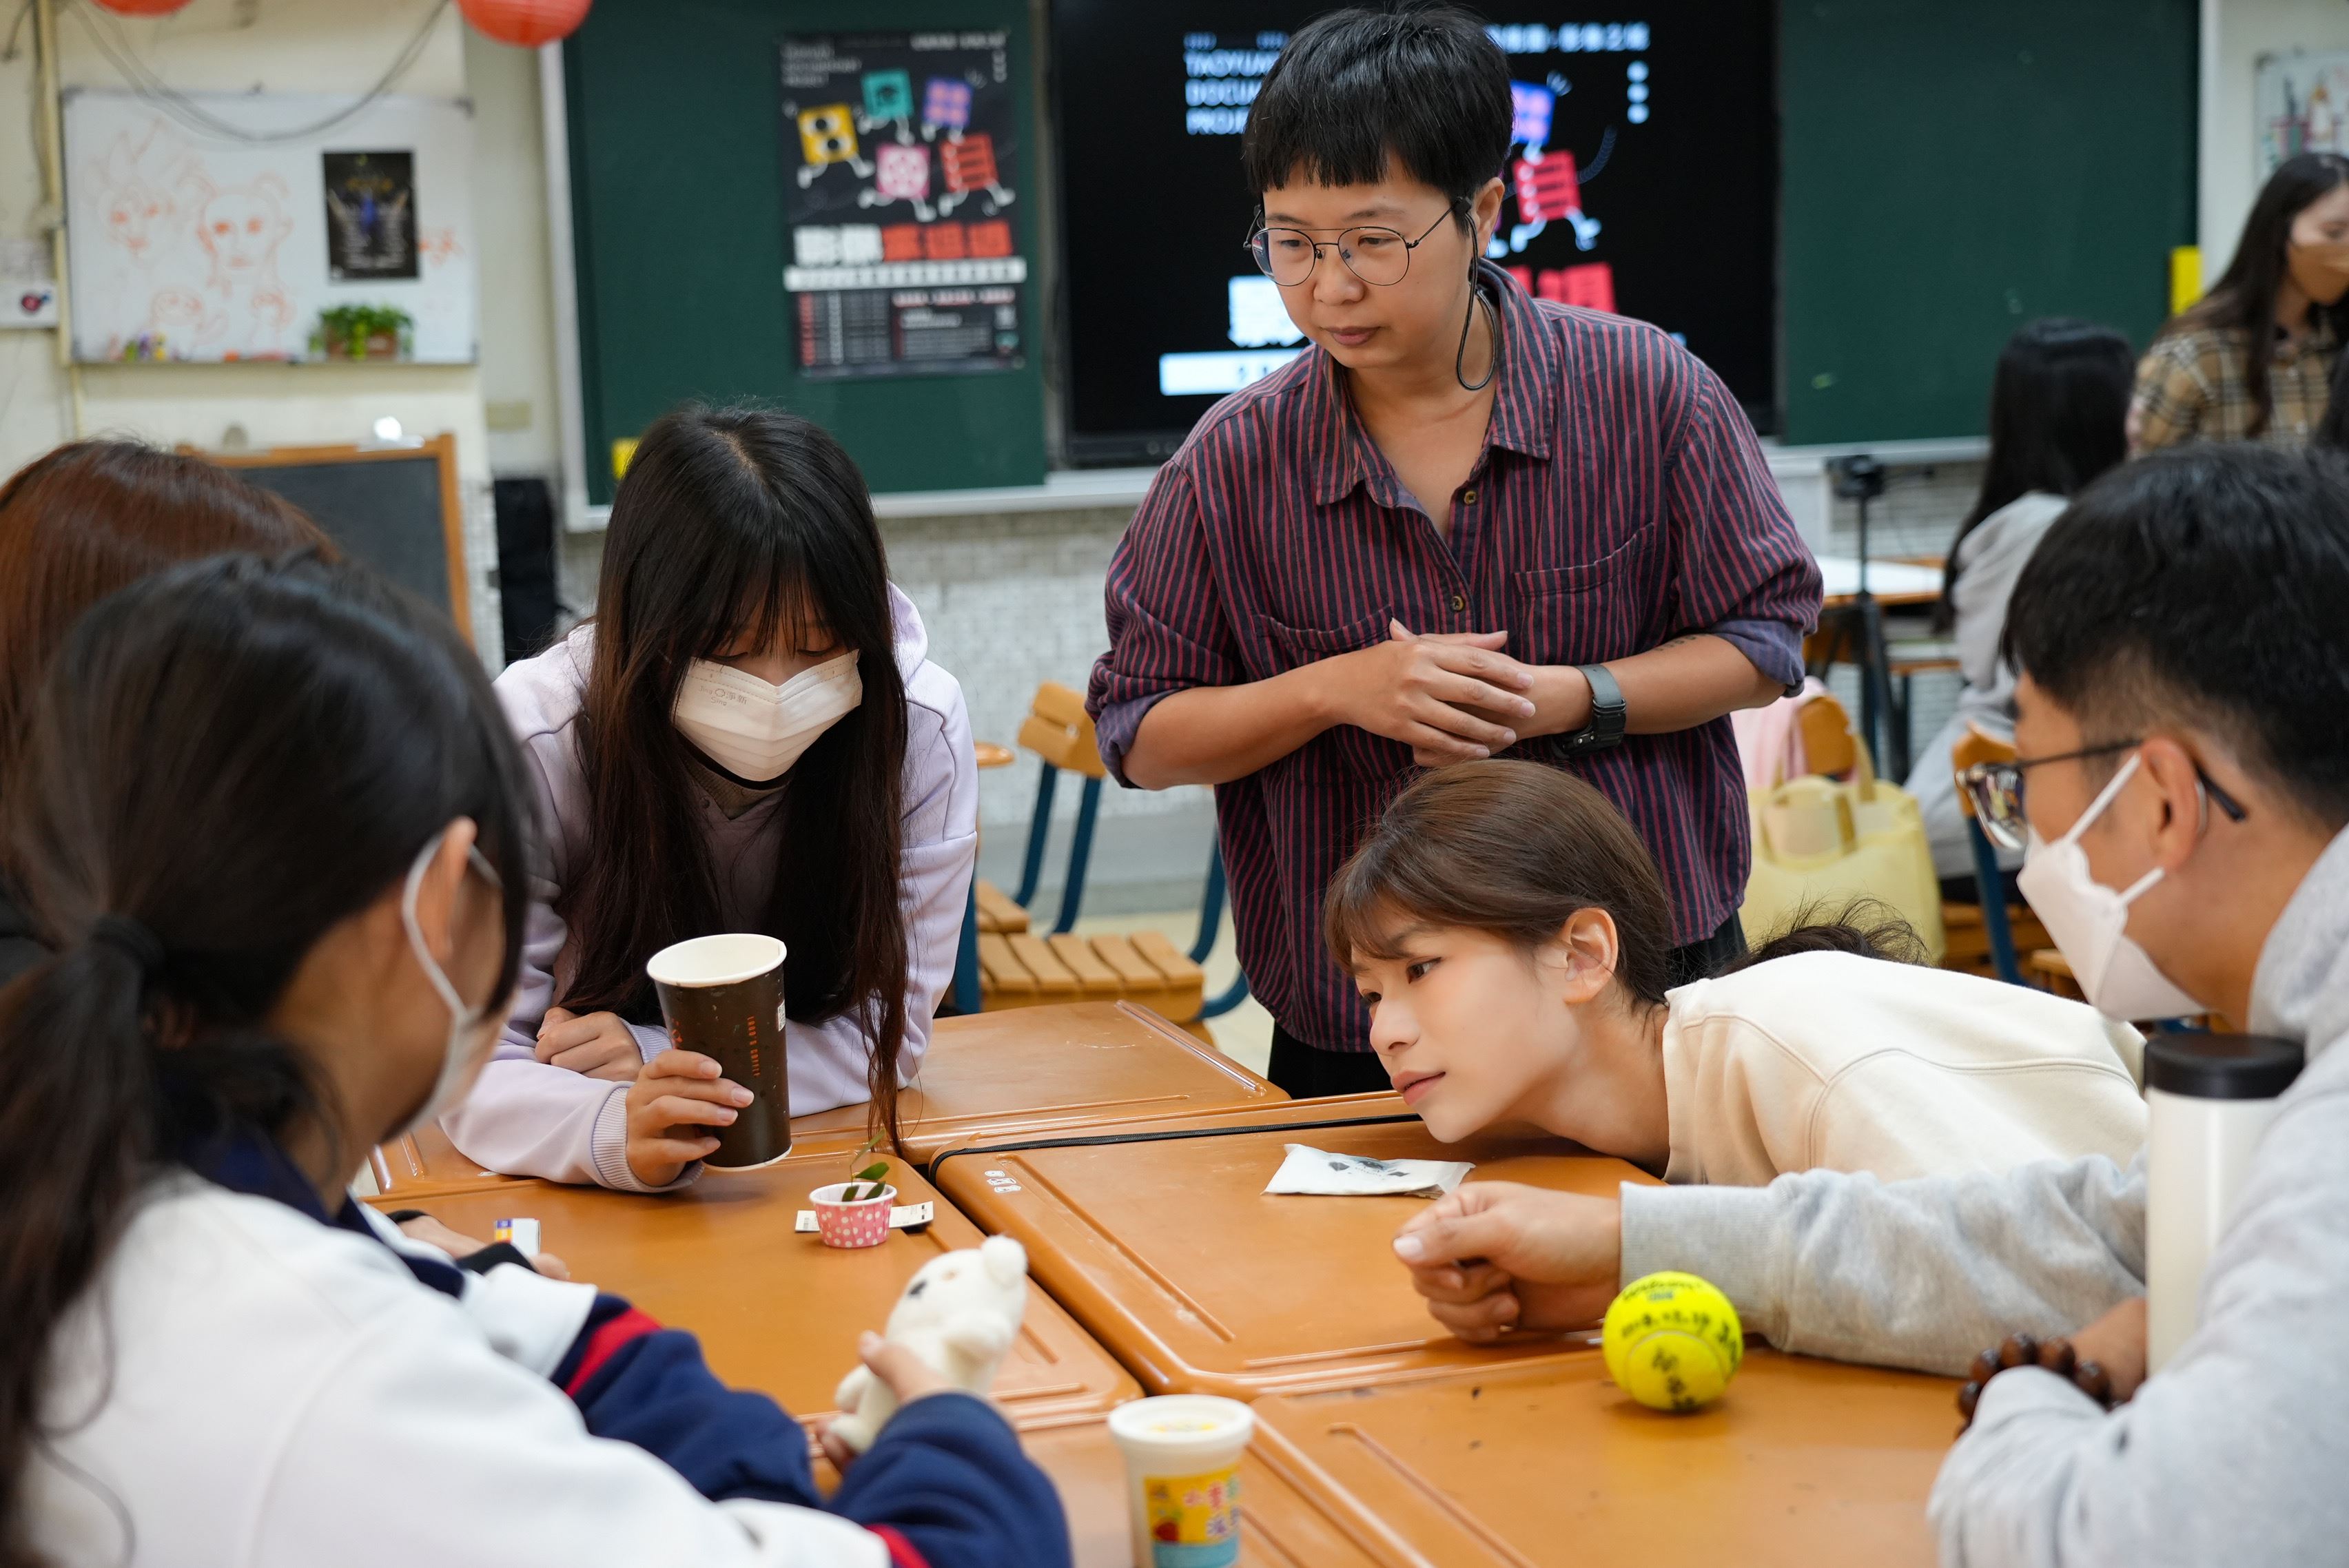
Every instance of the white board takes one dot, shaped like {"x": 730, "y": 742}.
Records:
{"x": 183, "y": 244}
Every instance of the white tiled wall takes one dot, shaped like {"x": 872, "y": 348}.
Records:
{"x": 1010, "y": 601}
{"x": 1015, "y": 599}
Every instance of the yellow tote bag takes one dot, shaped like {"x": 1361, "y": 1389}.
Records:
{"x": 1820, "y": 843}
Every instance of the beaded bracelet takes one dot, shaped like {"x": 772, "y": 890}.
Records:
{"x": 2025, "y": 1350}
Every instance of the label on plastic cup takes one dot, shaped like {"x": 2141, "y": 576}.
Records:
{"x": 1193, "y": 1519}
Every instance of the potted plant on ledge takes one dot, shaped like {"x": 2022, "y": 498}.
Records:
{"x": 363, "y": 332}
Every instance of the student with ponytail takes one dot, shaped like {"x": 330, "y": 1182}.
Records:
{"x": 748, "y": 737}
{"x": 277, "y": 828}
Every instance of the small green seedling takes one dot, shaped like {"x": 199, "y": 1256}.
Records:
{"x": 873, "y": 1175}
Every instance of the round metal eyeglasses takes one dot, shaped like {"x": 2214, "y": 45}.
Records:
{"x": 1373, "y": 253}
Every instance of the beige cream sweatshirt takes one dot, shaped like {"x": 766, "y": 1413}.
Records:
{"x": 1831, "y": 1062}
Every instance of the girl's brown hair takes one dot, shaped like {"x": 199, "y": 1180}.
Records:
{"x": 92, "y": 516}
{"x": 1511, "y": 848}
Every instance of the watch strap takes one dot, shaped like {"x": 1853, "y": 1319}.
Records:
{"x": 1607, "y": 715}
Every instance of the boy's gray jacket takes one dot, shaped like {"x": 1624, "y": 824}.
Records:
{"x": 2237, "y": 1452}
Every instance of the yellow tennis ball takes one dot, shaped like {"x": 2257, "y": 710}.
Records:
{"x": 1673, "y": 1341}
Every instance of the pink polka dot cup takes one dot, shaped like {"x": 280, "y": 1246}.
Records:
{"x": 862, "y": 1223}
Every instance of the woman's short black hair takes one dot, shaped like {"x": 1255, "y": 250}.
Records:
{"x": 1419, "y": 84}
{"x": 2203, "y": 586}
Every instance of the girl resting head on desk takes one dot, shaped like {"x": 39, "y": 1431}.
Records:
{"x": 1507, "y": 929}
{"x": 277, "y": 830}
{"x": 749, "y": 736}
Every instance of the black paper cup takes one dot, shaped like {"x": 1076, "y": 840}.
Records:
{"x": 724, "y": 997}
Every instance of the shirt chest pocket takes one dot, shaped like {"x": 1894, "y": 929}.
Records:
{"x": 1581, "y": 614}
{"x": 1341, "y": 751}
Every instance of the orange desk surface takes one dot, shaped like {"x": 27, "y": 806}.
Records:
{"x": 1170, "y": 1251}
{"x": 777, "y": 1311}
{"x": 1280, "y": 1526}
{"x": 1032, "y": 1071}
{"x": 1803, "y": 1463}
{"x": 1028, "y": 1071}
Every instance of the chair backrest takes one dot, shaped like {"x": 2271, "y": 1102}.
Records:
{"x": 1828, "y": 744}
{"x": 1977, "y": 744}
{"x": 1058, "y": 730}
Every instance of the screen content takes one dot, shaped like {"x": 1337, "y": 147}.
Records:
{"x": 1642, "y": 180}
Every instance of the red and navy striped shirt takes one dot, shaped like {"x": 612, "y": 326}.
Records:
{"x": 1621, "y": 500}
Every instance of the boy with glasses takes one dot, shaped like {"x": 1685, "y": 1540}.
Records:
{"x": 2184, "y": 664}
{"x": 1463, "y": 522}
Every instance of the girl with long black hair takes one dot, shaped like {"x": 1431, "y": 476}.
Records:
{"x": 2253, "y": 360}
{"x": 274, "y": 829}
{"x": 2058, "y": 406}
{"x": 748, "y": 736}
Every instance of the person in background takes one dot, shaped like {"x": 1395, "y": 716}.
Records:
{"x": 2332, "y": 430}
{"x": 2185, "y": 772}
{"x": 214, "y": 1355}
{"x": 2253, "y": 361}
{"x": 83, "y": 521}
{"x": 1508, "y": 933}
{"x": 1463, "y": 522}
{"x": 2058, "y": 405}
{"x": 749, "y": 736}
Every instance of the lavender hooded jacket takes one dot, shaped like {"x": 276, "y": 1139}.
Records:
{"x": 527, "y": 1118}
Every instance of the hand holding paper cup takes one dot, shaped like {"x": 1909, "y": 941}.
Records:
{"x": 723, "y": 997}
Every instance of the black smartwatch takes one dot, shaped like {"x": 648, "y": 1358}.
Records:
{"x": 1605, "y": 729}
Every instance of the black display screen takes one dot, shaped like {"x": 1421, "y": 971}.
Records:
{"x": 1654, "y": 193}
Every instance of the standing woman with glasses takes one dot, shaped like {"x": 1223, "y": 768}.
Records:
{"x": 1462, "y": 523}
{"x": 2252, "y": 362}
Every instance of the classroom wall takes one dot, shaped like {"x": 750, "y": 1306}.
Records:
{"x": 2235, "y": 33}
{"x": 237, "y": 45}
{"x": 517, "y": 369}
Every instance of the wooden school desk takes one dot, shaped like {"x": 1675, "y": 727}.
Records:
{"x": 1281, "y": 1526}
{"x": 1017, "y": 1073}
{"x": 1803, "y": 1463}
{"x": 1162, "y": 1241}
{"x": 1029, "y": 1071}
{"x": 775, "y": 1310}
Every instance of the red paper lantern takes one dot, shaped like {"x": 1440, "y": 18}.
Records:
{"x": 526, "y": 24}
{"x": 144, "y": 7}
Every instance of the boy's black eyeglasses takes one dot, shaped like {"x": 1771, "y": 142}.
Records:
{"x": 1376, "y": 256}
{"x": 1997, "y": 791}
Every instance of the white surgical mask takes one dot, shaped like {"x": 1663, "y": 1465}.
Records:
{"x": 460, "y": 1054}
{"x": 2090, "y": 921}
{"x": 755, "y": 729}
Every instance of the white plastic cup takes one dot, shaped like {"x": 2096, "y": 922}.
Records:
{"x": 2209, "y": 1100}
{"x": 1183, "y": 1481}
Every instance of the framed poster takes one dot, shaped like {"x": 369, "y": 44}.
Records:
{"x": 901, "y": 153}
{"x": 2302, "y": 103}
{"x": 370, "y": 215}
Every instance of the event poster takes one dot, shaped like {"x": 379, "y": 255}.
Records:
{"x": 370, "y": 215}
{"x": 902, "y": 169}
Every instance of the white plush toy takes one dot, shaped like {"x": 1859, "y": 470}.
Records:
{"x": 959, "y": 1315}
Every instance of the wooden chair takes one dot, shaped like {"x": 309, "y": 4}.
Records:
{"x": 1828, "y": 745}
{"x": 1989, "y": 934}
{"x": 1018, "y": 966}
{"x": 1061, "y": 734}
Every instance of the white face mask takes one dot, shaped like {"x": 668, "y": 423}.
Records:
{"x": 461, "y": 1056}
{"x": 756, "y": 730}
{"x": 2090, "y": 921}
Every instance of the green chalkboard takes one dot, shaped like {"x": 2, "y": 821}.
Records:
{"x": 1955, "y": 170}
{"x": 680, "y": 240}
